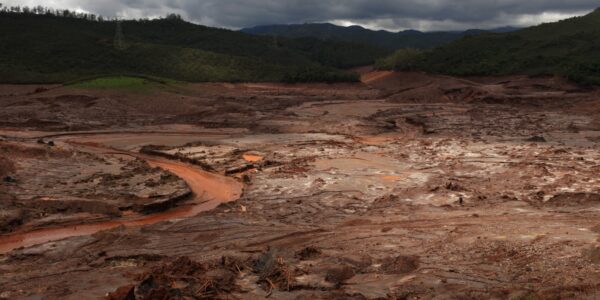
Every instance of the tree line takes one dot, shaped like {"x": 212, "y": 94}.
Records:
{"x": 41, "y": 10}
{"x": 65, "y": 13}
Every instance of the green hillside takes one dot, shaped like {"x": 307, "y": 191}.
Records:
{"x": 570, "y": 48}
{"x": 40, "y": 48}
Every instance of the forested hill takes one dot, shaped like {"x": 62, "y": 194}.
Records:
{"x": 570, "y": 48}
{"x": 58, "y": 46}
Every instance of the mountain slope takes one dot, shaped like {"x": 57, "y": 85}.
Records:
{"x": 381, "y": 38}
{"x": 47, "y": 48}
{"x": 570, "y": 48}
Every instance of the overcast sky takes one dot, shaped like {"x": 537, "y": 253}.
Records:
{"x": 426, "y": 15}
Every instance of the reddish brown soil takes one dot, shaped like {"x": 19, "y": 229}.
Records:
{"x": 211, "y": 190}
{"x": 407, "y": 186}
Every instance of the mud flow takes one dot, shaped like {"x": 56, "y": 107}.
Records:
{"x": 404, "y": 186}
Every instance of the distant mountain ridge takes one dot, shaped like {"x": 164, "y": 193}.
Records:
{"x": 357, "y": 34}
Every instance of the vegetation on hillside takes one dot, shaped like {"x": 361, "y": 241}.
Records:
{"x": 569, "y": 48}
{"x": 42, "y": 45}
{"x": 401, "y": 60}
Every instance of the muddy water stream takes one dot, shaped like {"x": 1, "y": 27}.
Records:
{"x": 209, "y": 190}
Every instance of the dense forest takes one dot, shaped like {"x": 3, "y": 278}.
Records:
{"x": 569, "y": 48}
{"x": 40, "y": 45}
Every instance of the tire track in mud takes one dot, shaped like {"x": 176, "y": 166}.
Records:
{"x": 204, "y": 185}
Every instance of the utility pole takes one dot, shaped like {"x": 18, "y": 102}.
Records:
{"x": 119, "y": 42}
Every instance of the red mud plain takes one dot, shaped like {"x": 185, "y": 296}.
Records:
{"x": 405, "y": 186}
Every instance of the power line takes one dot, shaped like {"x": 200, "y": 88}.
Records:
{"x": 119, "y": 42}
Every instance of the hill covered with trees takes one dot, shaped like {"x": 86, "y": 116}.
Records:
{"x": 39, "y": 45}
{"x": 569, "y": 48}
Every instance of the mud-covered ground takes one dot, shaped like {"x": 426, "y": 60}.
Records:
{"x": 407, "y": 186}
{"x": 47, "y": 184}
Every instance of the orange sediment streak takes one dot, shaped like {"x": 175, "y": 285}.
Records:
{"x": 391, "y": 178}
{"x": 252, "y": 158}
{"x": 215, "y": 188}
{"x": 375, "y": 75}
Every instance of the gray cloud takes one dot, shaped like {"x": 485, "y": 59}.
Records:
{"x": 387, "y": 14}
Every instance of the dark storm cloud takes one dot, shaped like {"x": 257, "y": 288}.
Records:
{"x": 421, "y": 14}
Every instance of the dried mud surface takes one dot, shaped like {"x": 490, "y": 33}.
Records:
{"x": 406, "y": 186}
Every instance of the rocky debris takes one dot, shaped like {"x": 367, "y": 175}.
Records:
{"x": 574, "y": 199}
{"x": 246, "y": 179}
{"x": 401, "y": 264}
{"x": 239, "y": 169}
{"x": 7, "y": 168}
{"x": 594, "y": 255}
{"x": 126, "y": 292}
{"x": 218, "y": 158}
{"x": 274, "y": 272}
{"x": 384, "y": 201}
{"x": 339, "y": 275}
{"x": 308, "y": 253}
{"x": 181, "y": 278}
{"x": 10, "y": 219}
{"x": 537, "y": 139}
{"x": 40, "y": 90}
{"x": 419, "y": 121}
{"x": 451, "y": 186}
{"x": 9, "y": 179}
{"x": 159, "y": 151}
{"x": 164, "y": 203}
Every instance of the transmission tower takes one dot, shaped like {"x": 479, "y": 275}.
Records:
{"x": 119, "y": 42}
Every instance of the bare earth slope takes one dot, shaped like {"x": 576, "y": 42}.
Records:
{"x": 407, "y": 186}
